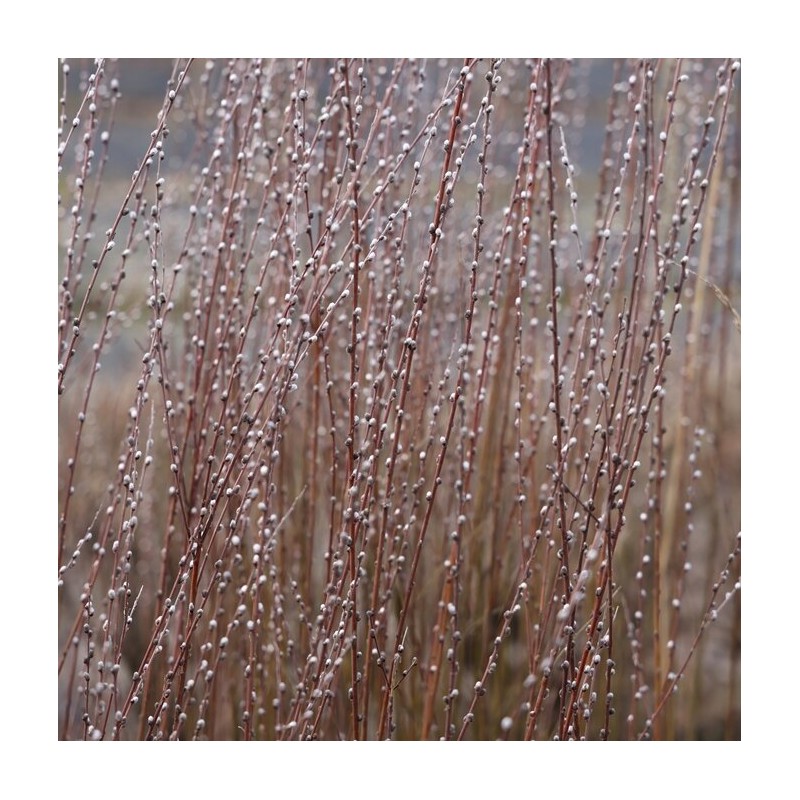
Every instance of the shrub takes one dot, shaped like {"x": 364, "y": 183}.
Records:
{"x": 418, "y": 414}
